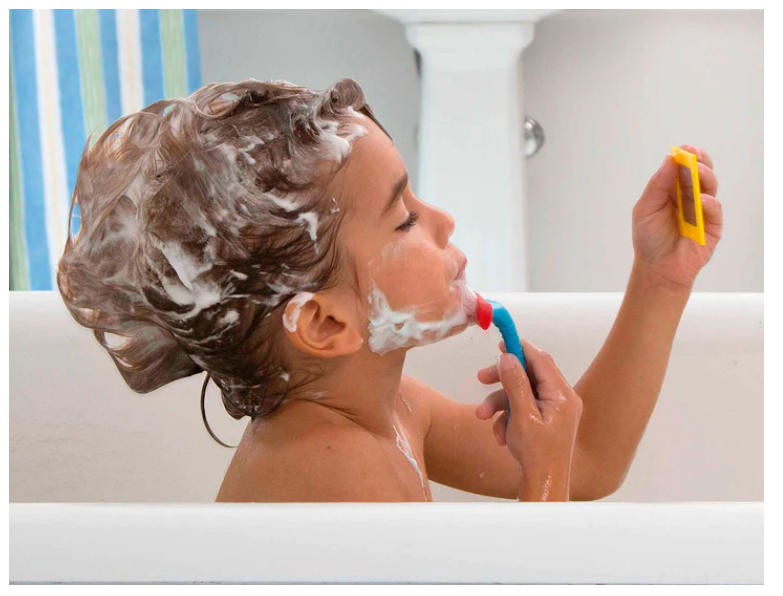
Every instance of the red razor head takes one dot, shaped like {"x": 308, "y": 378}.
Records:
{"x": 483, "y": 312}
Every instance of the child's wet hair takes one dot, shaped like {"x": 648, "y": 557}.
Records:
{"x": 200, "y": 218}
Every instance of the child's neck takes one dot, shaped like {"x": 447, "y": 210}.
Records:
{"x": 363, "y": 388}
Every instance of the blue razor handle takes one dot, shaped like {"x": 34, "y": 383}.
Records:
{"x": 505, "y": 324}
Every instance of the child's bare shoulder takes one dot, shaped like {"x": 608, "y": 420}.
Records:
{"x": 417, "y": 390}
{"x": 308, "y": 459}
{"x": 417, "y": 398}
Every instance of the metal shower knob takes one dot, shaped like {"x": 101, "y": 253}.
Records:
{"x": 534, "y": 137}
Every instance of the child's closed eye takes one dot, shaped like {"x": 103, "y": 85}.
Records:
{"x": 413, "y": 217}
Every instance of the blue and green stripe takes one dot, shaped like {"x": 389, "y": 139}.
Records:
{"x": 31, "y": 183}
{"x": 84, "y": 64}
{"x": 18, "y": 254}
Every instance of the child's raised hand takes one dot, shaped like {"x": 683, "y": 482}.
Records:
{"x": 659, "y": 249}
{"x": 541, "y": 432}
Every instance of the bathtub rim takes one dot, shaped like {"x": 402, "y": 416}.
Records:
{"x": 609, "y": 542}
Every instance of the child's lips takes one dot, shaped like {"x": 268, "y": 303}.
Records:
{"x": 462, "y": 264}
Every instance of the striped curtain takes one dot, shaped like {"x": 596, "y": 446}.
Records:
{"x": 72, "y": 73}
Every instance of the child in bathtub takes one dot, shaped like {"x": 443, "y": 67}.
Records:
{"x": 266, "y": 234}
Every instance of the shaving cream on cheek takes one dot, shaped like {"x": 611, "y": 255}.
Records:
{"x": 394, "y": 329}
{"x": 391, "y": 329}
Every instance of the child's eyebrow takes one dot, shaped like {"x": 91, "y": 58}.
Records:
{"x": 396, "y": 192}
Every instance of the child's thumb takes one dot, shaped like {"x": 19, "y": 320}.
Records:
{"x": 660, "y": 187}
{"x": 516, "y": 385}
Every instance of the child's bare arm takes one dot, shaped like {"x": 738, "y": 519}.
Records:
{"x": 620, "y": 389}
{"x": 461, "y": 451}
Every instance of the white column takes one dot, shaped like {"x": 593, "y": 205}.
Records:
{"x": 471, "y": 142}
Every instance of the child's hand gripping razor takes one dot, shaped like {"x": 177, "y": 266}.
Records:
{"x": 542, "y": 435}
{"x": 489, "y": 311}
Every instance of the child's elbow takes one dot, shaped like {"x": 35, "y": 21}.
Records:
{"x": 595, "y": 492}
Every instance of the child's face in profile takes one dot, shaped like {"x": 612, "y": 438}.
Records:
{"x": 412, "y": 287}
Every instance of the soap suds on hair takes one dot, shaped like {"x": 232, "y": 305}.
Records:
{"x": 282, "y": 202}
{"x": 310, "y": 218}
{"x": 186, "y": 209}
{"x": 183, "y": 263}
{"x": 354, "y": 113}
{"x": 229, "y": 318}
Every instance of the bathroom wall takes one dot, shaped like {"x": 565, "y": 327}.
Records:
{"x": 613, "y": 90}
{"x": 317, "y": 48}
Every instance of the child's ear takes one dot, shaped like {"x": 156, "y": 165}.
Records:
{"x": 324, "y": 325}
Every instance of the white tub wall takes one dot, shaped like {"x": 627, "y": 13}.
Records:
{"x": 609, "y": 87}
{"x": 77, "y": 433}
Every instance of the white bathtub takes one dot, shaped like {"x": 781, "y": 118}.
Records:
{"x": 689, "y": 511}
{"x": 702, "y": 543}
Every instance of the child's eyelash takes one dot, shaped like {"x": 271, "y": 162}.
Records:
{"x": 410, "y": 222}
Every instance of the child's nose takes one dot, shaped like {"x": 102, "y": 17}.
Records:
{"x": 444, "y": 226}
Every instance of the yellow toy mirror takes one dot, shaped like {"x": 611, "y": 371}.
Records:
{"x": 689, "y": 214}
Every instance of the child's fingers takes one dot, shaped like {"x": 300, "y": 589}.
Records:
{"x": 701, "y": 154}
{"x": 708, "y": 181}
{"x": 495, "y": 402}
{"x": 499, "y": 428}
{"x": 713, "y": 215}
{"x": 658, "y": 190}
{"x": 541, "y": 369}
{"x": 517, "y": 387}
{"x": 489, "y": 375}
{"x": 528, "y": 347}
